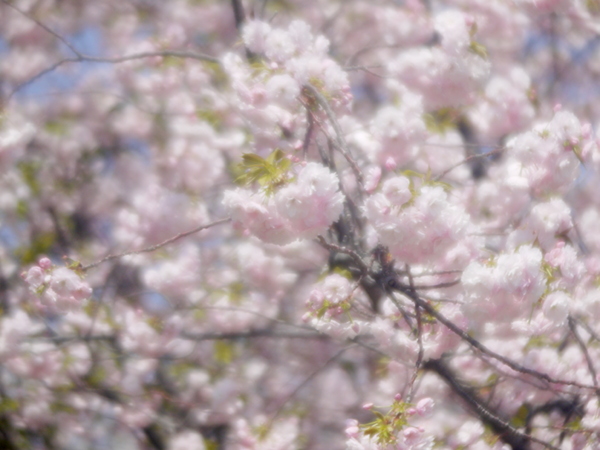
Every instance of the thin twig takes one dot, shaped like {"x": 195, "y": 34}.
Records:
{"x": 157, "y": 246}
{"x": 115, "y": 60}
{"x": 423, "y": 287}
{"x": 340, "y": 142}
{"x": 466, "y": 160}
{"x": 81, "y": 57}
{"x": 307, "y": 380}
{"x": 584, "y": 350}
{"x": 43, "y": 26}
{"x": 419, "y": 361}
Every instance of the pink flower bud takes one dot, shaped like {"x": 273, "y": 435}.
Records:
{"x": 45, "y": 263}
{"x": 390, "y": 164}
{"x": 425, "y": 407}
{"x": 352, "y": 428}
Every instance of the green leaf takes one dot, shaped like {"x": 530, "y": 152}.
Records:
{"x": 224, "y": 352}
{"x": 575, "y": 424}
{"x": 210, "y": 116}
{"x": 441, "y": 121}
{"x": 97, "y": 376}
{"x": 478, "y": 49}
{"x": 269, "y": 172}
{"x": 519, "y": 420}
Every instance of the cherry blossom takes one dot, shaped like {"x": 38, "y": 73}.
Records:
{"x": 268, "y": 225}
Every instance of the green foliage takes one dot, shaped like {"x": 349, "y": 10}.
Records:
{"x": 279, "y": 6}
{"x": 478, "y": 49}
{"x": 269, "y": 172}
{"x": 327, "y": 305}
{"x": 218, "y": 75}
{"x": 22, "y": 209}
{"x": 224, "y": 352}
{"x": 550, "y": 272}
{"x": 236, "y": 292}
{"x": 40, "y": 245}
{"x": 593, "y": 6}
{"x": 426, "y": 179}
{"x": 96, "y": 376}
{"x": 576, "y": 151}
{"x": 29, "y": 172}
{"x": 538, "y": 342}
{"x": 211, "y": 445}
{"x": 61, "y": 407}
{"x": 56, "y": 127}
{"x": 575, "y": 425}
{"x": 385, "y": 428}
{"x": 342, "y": 271}
{"x": 441, "y": 121}
{"x": 75, "y": 266}
{"x": 8, "y": 405}
{"x": 156, "y": 323}
{"x": 180, "y": 369}
{"x": 210, "y": 116}
{"x": 519, "y": 420}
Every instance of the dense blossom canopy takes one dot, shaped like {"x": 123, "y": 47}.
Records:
{"x": 313, "y": 224}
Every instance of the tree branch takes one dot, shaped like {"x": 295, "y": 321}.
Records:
{"x": 482, "y": 348}
{"x": 500, "y": 425}
{"x": 157, "y": 246}
{"x": 586, "y": 354}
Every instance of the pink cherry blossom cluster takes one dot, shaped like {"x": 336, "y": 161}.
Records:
{"x": 418, "y": 224}
{"x": 448, "y": 74}
{"x": 301, "y": 209}
{"x": 301, "y": 54}
{"x": 284, "y": 213}
{"x": 58, "y": 288}
{"x": 506, "y": 287}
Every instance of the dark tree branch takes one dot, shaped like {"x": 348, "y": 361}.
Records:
{"x": 499, "y": 425}
{"x": 238, "y": 14}
{"x": 260, "y": 333}
{"x": 482, "y": 348}
{"x": 586, "y": 354}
